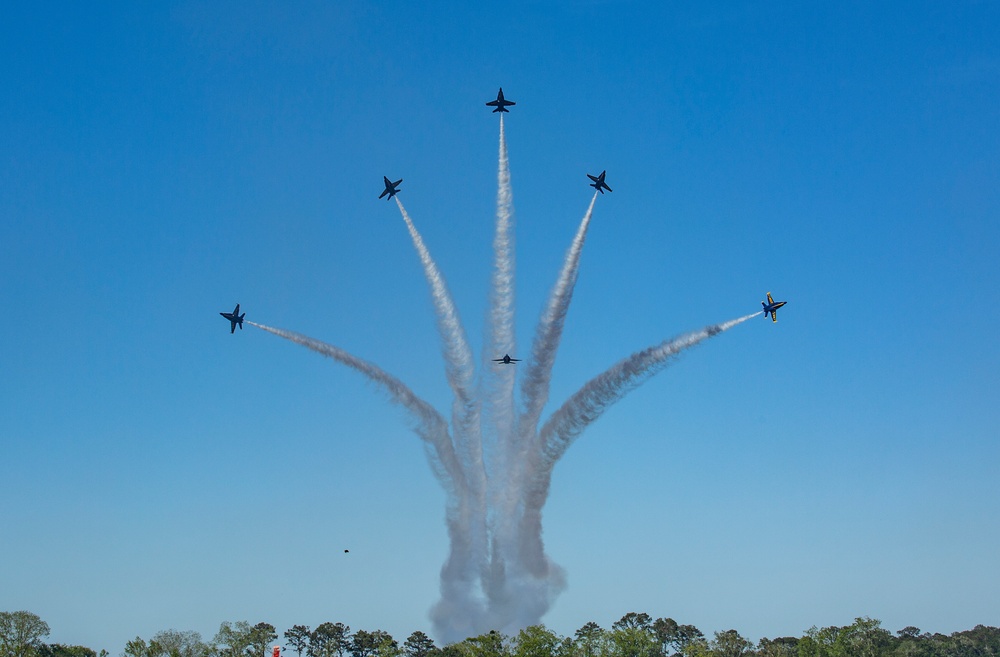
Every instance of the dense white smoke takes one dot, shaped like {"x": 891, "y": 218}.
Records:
{"x": 494, "y": 464}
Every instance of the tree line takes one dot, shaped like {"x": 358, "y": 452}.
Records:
{"x": 633, "y": 635}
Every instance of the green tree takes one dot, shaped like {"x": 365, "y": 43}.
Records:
{"x": 418, "y": 645}
{"x": 633, "y": 641}
{"x": 730, "y": 643}
{"x": 820, "y": 642}
{"x": 632, "y": 620}
{"x": 234, "y": 639}
{"x": 59, "y": 650}
{"x": 21, "y": 633}
{"x": 138, "y": 647}
{"x": 590, "y": 640}
{"x": 697, "y": 647}
{"x": 298, "y": 638}
{"x": 980, "y": 641}
{"x": 174, "y": 643}
{"x": 864, "y": 638}
{"x": 673, "y": 637}
{"x": 385, "y": 645}
{"x": 665, "y": 630}
{"x": 329, "y": 640}
{"x": 363, "y": 644}
{"x": 537, "y": 641}
{"x": 785, "y": 646}
{"x": 491, "y": 644}
{"x": 262, "y": 635}
{"x": 452, "y": 650}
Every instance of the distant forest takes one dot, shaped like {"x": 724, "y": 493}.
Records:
{"x": 22, "y": 634}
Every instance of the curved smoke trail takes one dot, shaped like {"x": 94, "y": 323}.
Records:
{"x": 430, "y": 426}
{"x": 461, "y": 513}
{"x": 455, "y": 348}
{"x": 467, "y": 526}
{"x": 459, "y": 367}
{"x": 588, "y": 403}
{"x": 559, "y": 432}
{"x": 538, "y": 374}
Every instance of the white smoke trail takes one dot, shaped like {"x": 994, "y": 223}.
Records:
{"x": 528, "y": 581}
{"x": 558, "y": 433}
{"x": 538, "y": 374}
{"x": 467, "y": 528}
{"x": 499, "y": 391}
{"x": 459, "y": 367}
{"x": 430, "y": 426}
{"x": 458, "y": 603}
{"x": 588, "y": 403}
{"x": 455, "y": 348}
{"x": 501, "y": 336}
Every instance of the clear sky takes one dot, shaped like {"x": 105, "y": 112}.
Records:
{"x": 161, "y": 161}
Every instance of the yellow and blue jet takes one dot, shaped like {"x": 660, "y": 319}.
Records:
{"x": 771, "y": 307}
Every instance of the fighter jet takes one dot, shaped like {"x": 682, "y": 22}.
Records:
{"x": 390, "y": 188}
{"x": 506, "y": 360}
{"x": 500, "y": 104}
{"x": 599, "y": 182}
{"x": 234, "y": 318}
{"x": 771, "y": 307}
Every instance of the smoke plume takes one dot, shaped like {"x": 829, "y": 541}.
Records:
{"x": 495, "y": 465}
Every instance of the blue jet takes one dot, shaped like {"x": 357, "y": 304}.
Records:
{"x": 390, "y": 188}
{"x": 771, "y": 307}
{"x": 234, "y": 318}
{"x": 500, "y": 104}
{"x": 599, "y": 183}
{"x": 506, "y": 360}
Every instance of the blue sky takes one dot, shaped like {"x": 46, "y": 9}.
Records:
{"x": 160, "y": 163}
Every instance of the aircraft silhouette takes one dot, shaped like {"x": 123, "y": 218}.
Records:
{"x": 506, "y": 360}
{"x": 390, "y": 188}
{"x": 599, "y": 182}
{"x": 234, "y": 318}
{"x": 771, "y": 307}
{"x": 500, "y": 104}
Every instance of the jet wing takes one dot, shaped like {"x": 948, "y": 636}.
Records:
{"x": 774, "y": 315}
{"x": 769, "y": 299}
